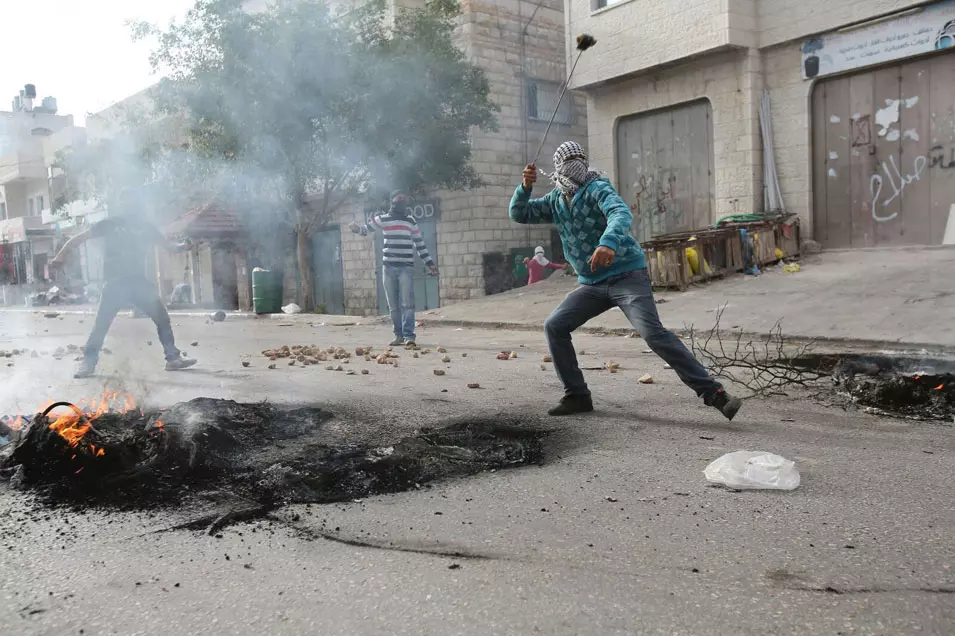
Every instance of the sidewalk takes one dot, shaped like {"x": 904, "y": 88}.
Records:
{"x": 896, "y": 297}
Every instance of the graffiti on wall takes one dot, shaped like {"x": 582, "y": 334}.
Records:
{"x": 656, "y": 209}
{"x": 890, "y": 181}
{"x": 938, "y": 159}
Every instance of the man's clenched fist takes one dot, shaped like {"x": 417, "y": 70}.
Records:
{"x": 530, "y": 176}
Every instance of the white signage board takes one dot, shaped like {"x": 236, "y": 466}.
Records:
{"x": 931, "y": 28}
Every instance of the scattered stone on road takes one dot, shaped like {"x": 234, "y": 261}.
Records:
{"x": 439, "y": 371}
{"x": 547, "y": 359}
{"x": 474, "y": 385}
{"x": 646, "y": 379}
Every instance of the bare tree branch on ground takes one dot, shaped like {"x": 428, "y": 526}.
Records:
{"x": 765, "y": 368}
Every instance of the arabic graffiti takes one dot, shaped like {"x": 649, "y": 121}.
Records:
{"x": 898, "y": 181}
{"x": 656, "y": 209}
{"x": 904, "y": 180}
{"x": 938, "y": 157}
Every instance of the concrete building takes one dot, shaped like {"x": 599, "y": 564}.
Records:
{"x": 861, "y": 96}
{"x": 31, "y": 136}
{"x": 520, "y": 46}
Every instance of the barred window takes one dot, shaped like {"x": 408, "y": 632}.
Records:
{"x": 542, "y": 98}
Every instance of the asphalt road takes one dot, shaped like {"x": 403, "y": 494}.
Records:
{"x": 864, "y": 546}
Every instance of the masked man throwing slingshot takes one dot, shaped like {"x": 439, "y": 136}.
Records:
{"x": 594, "y": 226}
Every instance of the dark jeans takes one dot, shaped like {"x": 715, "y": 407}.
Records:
{"x": 634, "y": 296}
{"x": 119, "y": 295}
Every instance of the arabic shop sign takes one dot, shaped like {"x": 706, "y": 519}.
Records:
{"x": 913, "y": 33}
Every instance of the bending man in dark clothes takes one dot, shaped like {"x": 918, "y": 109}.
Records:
{"x": 127, "y": 242}
{"x": 594, "y": 225}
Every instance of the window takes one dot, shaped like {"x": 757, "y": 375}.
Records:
{"x": 30, "y": 207}
{"x": 542, "y": 98}
{"x": 3, "y": 211}
{"x": 596, "y": 5}
{"x": 40, "y": 204}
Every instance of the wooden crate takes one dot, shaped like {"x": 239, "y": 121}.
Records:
{"x": 719, "y": 250}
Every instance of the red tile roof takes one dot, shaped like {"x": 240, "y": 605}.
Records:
{"x": 208, "y": 221}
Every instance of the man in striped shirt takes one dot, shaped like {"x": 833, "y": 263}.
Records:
{"x": 402, "y": 238}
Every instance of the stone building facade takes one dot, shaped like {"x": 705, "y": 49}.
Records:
{"x": 520, "y": 45}
{"x": 856, "y": 89}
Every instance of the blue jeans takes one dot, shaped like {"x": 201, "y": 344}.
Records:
{"x": 399, "y": 290}
{"x": 633, "y": 294}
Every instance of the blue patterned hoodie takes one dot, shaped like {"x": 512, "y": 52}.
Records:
{"x": 596, "y": 216}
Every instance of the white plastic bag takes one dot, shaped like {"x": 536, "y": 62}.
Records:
{"x": 753, "y": 470}
{"x": 291, "y": 308}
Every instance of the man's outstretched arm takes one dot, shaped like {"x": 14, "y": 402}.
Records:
{"x": 526, "y": 210}
{"x": 72, "y": 243}
{"x": 374, "y": 223}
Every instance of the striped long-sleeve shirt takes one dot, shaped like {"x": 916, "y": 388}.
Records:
{"x": 402, "y": 238}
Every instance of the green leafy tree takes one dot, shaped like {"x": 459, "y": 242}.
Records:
{"x": 304, "y": 109}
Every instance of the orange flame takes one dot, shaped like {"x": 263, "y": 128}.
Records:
{"x": 940, "y": 387}
{"x": 14, "y": 423}
{"x": 74, "y": 425}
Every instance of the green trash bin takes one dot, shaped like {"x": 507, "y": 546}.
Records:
{"x": 266, "y": 292}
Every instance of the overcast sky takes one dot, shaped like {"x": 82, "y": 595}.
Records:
{"x": 78, "y": 51}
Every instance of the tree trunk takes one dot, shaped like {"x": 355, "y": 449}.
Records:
{"x": 306, "y": 280}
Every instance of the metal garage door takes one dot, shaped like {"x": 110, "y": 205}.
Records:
{"x": 665, "y": 169}
{"x": 884, "y": 155}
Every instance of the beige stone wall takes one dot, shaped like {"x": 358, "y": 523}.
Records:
{"x": 791, "y": 112}
{"x": 635, "y": 35}
{"x": 730, "y": 82}
{"x": 358, "y": 266}
{"x": 786, "y": 20}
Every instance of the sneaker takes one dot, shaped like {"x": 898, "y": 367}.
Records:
{"x": 572, "y": 404}
{"x": 397, "y": 342}
{"x": 84, "y": 370}
{"x": 179, "y": 364}
{"x": 726, "y": 404}
{"x": 410, "y": 343}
